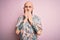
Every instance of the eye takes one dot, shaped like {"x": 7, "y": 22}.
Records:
{"x": 26, "y": 6}
{"x": 29, "y": 6}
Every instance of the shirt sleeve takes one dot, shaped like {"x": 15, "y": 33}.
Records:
{"x": 19, "y": 24}
{"x": 37, "y": 22}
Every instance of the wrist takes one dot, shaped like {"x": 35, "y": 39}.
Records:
{"x": 30, "y": 20}
{"x": 25, "y": 20}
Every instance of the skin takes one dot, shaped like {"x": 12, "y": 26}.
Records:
{"x": 28, "y": 8}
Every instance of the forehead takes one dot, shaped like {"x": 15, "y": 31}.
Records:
{"x": 28, "y": 4}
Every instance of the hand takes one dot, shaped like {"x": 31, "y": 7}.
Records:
{"x": 30, "y": 18}
{"x": 17, "y": 31}
{"x": 26, "y": 17}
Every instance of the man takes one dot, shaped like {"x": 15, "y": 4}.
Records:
{"x": 28, "y": 26}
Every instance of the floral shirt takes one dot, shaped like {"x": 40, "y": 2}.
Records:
{"x": 29, "y": 31}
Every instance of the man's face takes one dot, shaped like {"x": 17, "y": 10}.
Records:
{"x": 28, "y": 7}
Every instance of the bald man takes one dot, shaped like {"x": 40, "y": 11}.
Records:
{"x": 29, "y": 25}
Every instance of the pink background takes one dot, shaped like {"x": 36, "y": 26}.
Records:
{"x": 47, "y": 10}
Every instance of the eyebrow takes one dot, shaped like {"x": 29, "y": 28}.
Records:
{"x": 28, "y": 6}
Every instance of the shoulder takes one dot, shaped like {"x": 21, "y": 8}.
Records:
{"x": 36, "y": 17}
{"x": 20, "y": 17}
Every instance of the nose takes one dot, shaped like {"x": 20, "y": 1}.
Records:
{"x": 28, "y": 9}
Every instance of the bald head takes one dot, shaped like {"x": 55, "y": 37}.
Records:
{"x": 28, "y": 3}
{"x": 28, "y": 6}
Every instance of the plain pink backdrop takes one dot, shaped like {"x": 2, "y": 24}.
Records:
{"x": 47, "y": 10}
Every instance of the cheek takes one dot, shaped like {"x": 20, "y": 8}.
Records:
{"x": 31, "y": 9}
{"x": 25, "y": 8}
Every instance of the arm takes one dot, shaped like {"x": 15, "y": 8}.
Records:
{"x": 20, "y": 25}
{"x": 40, "y": 30}
{"x": 36, "y": 25}
{"x": 18, "y": 28}
{"x": 37, "y": 28}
